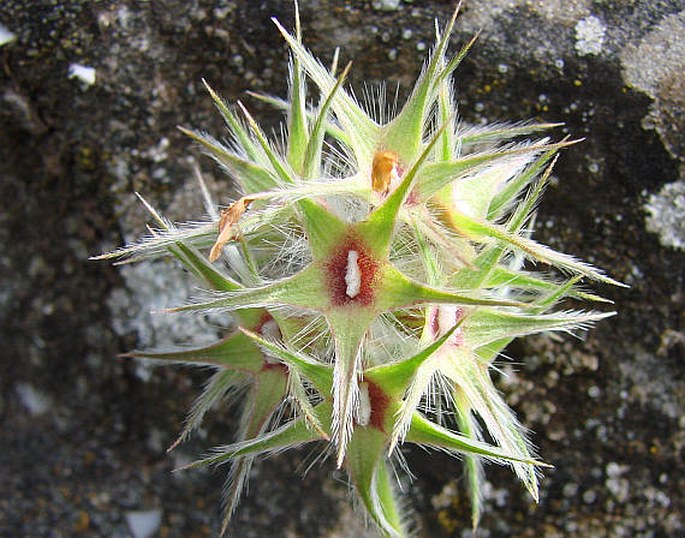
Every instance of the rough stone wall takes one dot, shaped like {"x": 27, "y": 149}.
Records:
{"x": 90, "y": 95}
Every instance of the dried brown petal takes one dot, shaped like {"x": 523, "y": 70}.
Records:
{"x": 229, "y": 217}
{"x": 384, "y": 162}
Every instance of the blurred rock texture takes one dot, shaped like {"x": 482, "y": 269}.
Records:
{"x": 90, "y": 96}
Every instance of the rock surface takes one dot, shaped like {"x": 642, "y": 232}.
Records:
{"x": 90, "y": 95}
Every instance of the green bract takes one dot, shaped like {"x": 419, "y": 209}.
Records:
{"x": 374, "y": 268}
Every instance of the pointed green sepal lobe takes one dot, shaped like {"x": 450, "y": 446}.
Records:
{"x": 475, "y": 474}
{"x": 481, "y": 231}
{"x": 312, "y": 153}
{"x": 502, "y": 276}
{"x": 320, "y": 375}
{"x": 297, "y": 115}
{"x": 277, "y": 163}
{"x": 394, "y": 378}
{"x": 236, "y": 352}
{"x": 220, "y": 385}
{"x": 305, "y": 289}
{"x": 378, "y": 229}
{"x": 361, "y": 130}
{"x": 470, "y": 375}
{"x": 190, "y": 257}
{"x": 424, "y": 432}
{"x": 303, "y": 401}
{"x": 400, "y": 291}
{"x": 437, "y": 175}
{"x": 268, "y": 391}
{"x": 332, "y": 129}
{"x": 236, "y": 127}
{"x": 324, "y": 230}
{"x": 501, "y": 133}
{"x": 405, "y": 133}
{"x": 511, "y": 189}
{"x": 251, "y": 176}
{"x": 487, "y": 325}
{"x": 202, "y": 268}
{"x": 368, "y": 471}
{"x": 290, "y": 435}
{"x": 348, "y": 328}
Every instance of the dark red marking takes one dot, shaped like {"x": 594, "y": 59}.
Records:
{"x": 275, "y": 366}
{"x": 262, "y": 320}
{"x": 413, "y": 198}
{"x": 265, "y": 318}
{"x": 379, "y": 404}
{"x": 434, "y": 322}
{"x": 457, "y": 338}
{"x": 336, "y": 269}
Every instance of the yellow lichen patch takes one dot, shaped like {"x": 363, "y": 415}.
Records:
{"x": 82, "y": 523}
{"x": 229, "y": 217}
{"x": 447, "y": 521}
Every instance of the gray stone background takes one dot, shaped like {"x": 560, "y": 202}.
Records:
{"x": 83, "y": 433}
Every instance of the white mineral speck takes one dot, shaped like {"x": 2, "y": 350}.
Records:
{"x": 619, "y": 488}
{"x": 83, "y": 73}
{"x": 386, "y": 5}
{"x": 6, "y": 36}
{"x": 589, "y": 496}
{"x": 35, "y": 402}
{"x": 590, "y": 34}
{"x": 570, "y": 490}
{"x": 666, "y": 214}
{"x": 144, "y": 523}
{"x": 352, "y": 274}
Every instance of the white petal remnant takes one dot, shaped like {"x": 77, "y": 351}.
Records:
{"x": 353, "y": 277}
{"x": 364, "y": 411}
{"x": 6, "y": 36}
{"x": 590, "y": 33}
{"x": 86, "y": 75}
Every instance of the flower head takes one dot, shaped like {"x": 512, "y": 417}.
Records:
{"x": 375, "y": 269}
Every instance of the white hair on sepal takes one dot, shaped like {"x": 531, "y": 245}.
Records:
{"x": 376, "y": 104}
{"x": 314, "y": 337}
{"x": 236, "y": 483}
{"x": 389, "y": 340}
{"x": 345, "y": 398}
{"x": 338, "y": 161}
{"x": 156, "y": 244}
{"x": 315, "y": 454}
{"x": 398, "y": 459}
{"x": 440, "y": 399}
{"x": 208, "y": 200}
{"x": 286, "y": 253}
